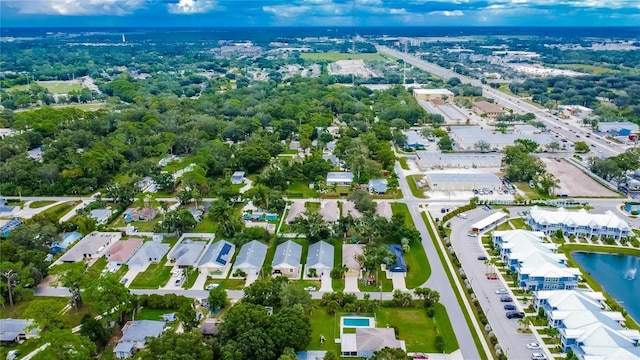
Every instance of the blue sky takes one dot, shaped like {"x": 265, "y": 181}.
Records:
{"x": 212, "y": 13}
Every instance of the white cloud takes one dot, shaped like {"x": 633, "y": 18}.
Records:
{"x": 287, "y": 11}
{"x": 75, "y": 7}
{"x": 191, "y": 6}
{"x": 447, "y": 13}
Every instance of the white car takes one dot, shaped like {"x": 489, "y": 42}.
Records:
{"x": 501, "y": 291}
{"x": 533, "y": 346}
{"x": 211, "y": 286}
{"x": 538, "y": 356}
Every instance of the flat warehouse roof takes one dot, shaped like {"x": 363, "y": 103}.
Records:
{"x": 472, "y": 134}
{"x": 452, "y": 113}
{"x": 423, "y": 154}
{"x": 463, "y": 177}
{"x": 427, "y": 106}
{"x": 496, "y": 216}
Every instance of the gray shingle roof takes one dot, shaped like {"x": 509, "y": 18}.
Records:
{"x": 10, "y": 329}
{"x": 251, "y": 255}
{"x": 137, "y": 332}
{"x": 187, "y": 252}
{"x": 150, "y": 251}
{"x": 287, "y": 253}
{"x": 320, "y": 256}
{"x": 218, "y": 254}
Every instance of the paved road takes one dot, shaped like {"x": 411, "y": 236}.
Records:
{"x": 468, "y": 249}
{"x": 555, "y": 124}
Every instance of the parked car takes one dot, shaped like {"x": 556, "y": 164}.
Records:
{"x": 420, "y": 356}
{"x": 510, "y": 307}
{"x": 472, "y": 234}
{"x": 492, "y": 276}
{"x": 487, "y": 207}
{"x": 538, "y": 356}
{"x": 502, "y": 291}
{"x": 124, "y": 281}
{"x": 514, "y": 314}
{"x": 482, "y": 257}
{"x": 211, "y": 286}
{"x": 462, "y": 216}
{"x": 506, "y": 299}
{"x": 533, "y": 346}
{"x": 310, "y": 288}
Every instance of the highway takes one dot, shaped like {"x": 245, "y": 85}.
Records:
{"x": 555, "y": 125}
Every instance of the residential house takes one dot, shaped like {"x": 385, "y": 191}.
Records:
{"x": 259, "y": 216}
{"x": 378, "y": 186}
{"x": 329, "y": 211}
{"x": 296, "y": 210}
{"x": 15, "y": 330}
{"x": 187, "y": 253}
{"x": 366, "y": 341}
{"x": 150, "y": 252}
{"x": 251, "y": 257}
{"x": 135, "y": 335}
{"x": 538, "y": 264}
{"x": 6, "y": 210}
{"x": 91, "y": 246}
{"x": 349, "y": 208}
{"x": 383, "y": 209}
{"x": 399, "y": 266}
{"x": 334, "y": 159}
{"x": 6, "y": 226}
{"x": 209, "y": 328}
{"x": 101, "y": 216}
{"x": 237, "y": 177}
{"x": 217, "y": 258}
{"x": 579, "y": 223}
{"x": 349, "y": 254}
{"x": 342, "y": 178}
{"x": 320, "y": 257}
{"x": 287, "y": 259}
{"x": 123, "y": 250}
{"x": 140, "y": 214}
{"x": 62, "y": 245}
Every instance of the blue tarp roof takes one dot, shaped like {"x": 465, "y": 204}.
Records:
{"x": 399, "y": 265}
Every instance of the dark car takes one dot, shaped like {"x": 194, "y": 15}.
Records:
{"x": 482, "y": 257}
{"x": 506, "y": 299}
{"x": 514, "y": 314}
{"x": 510, "y": 307}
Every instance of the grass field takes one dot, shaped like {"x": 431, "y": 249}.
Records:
{"x": 39, "y": 204}
{"x": 333, "y": 56}
{"x": 154, "y": 277}
{"x": 412, "y": 181}
{"x": 299, "y": 189}
{"x": 16, "y": 310}
{"x": 58, "y": 211}
{"x": 403, "y": 163}
{"x": 206, "y": 226}
{"x": 520, "y": 224}
{"x": 153, "y": 314}
{"x": 589, "y": 69}
{"x": 54, "y": 87}
{"x": 227, "y": 284}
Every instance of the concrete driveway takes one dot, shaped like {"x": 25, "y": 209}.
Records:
{"x": 251, "y": 278}
{"x": 351, "y": 284}
{"x": 200, "y": 281}
{"x": 325, "y": 283}
{"x": 398, "y": 281}
{"x": 130, "y": 275}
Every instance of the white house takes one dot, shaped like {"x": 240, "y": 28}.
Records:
{"x": 286, "y": 260}
{"x": 579, "y": 223}
{"x": 344, "y": 178}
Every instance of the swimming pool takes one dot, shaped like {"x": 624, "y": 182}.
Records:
{"x": 356, "y": 322}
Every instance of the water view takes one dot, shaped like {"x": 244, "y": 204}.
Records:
{"x": 618, "y": 276}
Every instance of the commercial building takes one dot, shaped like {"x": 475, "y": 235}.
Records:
{"x": 431, "y": 94}
{"x": 433, "y": 159}
{"x": 461, "y": 181}
{"x": 415, "y": 140}
{"x": 466, "y": 138}
{"x": 538, "y": 264}
{"x": 578, "y": 111}
{"x": 579, "y": 223}
{"x": 618, "y": 128}
{"x": 489, "y": 222}
{"x": 492, "y": 111}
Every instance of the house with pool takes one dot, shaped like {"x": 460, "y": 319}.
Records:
{"x": 362, "y": 338}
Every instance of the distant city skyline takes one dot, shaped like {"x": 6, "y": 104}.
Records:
{"x": 224, "y": 13}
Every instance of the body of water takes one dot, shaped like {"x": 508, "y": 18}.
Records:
{"x": 617, "y": 274}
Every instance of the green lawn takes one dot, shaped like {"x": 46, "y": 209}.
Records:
{"x": 416, "y": 260}
{"x": 300, "y": 189}
{"x": 335, "y": 56}
{"x": 39, "y": 204}
{"x": 268, "y": 259}
{"x": 55, "y": 87}
{"x": 143, "y": 226}
{"x": 387, "y": 284}
{"x": 529, "y": 192}
{"x": 191, "y": 279}
{"x": 154, "y": 277}
{"x": 520, "y": 224}
{"x": 505, "y": 89}
{"x": 415, "y": 328}
{"x": 72, "y": 317}
{"x": 403, "y": 163}
{"x": 314, "y": 206}
{"x": 206, "y": 226}
{"x": 227, "y": 284}
{"x": 56, "y": 212}
{"x": 589, "y": 69}
{"x": 24, "y": 348}
{"x": 411, "y": 180}
{"x": 504, "y": 226}
{"x": 153, "y": 314}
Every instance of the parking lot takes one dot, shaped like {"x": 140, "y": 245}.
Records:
{"x": 574, "y": 182}
{"x": 468, "y": 249}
